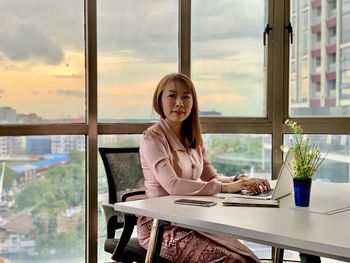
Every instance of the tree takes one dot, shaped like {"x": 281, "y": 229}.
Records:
{"x": 230, "y": 155}
{"x": 62, "y": 187}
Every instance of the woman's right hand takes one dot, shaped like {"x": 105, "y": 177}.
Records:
{"x": 254, "y": 185}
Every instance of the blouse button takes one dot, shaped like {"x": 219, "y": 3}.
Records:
{"x": 193, "y": 166}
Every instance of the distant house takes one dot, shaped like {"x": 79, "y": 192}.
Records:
{"x": 33, "y": 170}
{"x": 15, "y": 233}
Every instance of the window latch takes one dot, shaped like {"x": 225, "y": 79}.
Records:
{"x": 266, "y": 32}
{"x": 290, "y": 31}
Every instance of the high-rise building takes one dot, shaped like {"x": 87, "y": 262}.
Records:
{"x": 38, "y": 145}
{"x": 66, "y": 144}
{"x": 320, "y": 58}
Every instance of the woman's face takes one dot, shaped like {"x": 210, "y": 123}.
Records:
{"x": 177, "y": 102}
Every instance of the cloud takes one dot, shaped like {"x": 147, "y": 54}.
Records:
{"x": 72, "y": 76}
{"x": 212, "y": 20}
{"x": 70, "y": 93}
{"x": 35, "y": 93}
{"x": 41, "y": 30}
{"x": 26, "y": 43}
{"x": 148, "y": 30}
{"x": 228, "y": 77}
{"x": 143, "y": 29}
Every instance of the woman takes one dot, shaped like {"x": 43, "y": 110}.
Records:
{"x": 174, "y": 163}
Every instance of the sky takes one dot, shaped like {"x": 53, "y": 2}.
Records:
{"x": 42, "y": 56}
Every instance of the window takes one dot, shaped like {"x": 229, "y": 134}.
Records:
{"x": 228, "y": 57}
{"x": 317, "y": 16}
{"x": 332, "y": 34}
{"x": 332, "y": 8}
{"x": 332, "y": 58}
{"x": 345, "y": 74}
{"x": 345, "y": 19}
{"x": 325, "y": 74}
{"x": 43, "y": 186}
{"x": 336, "y": 166}
{"x": 42, "y": 77}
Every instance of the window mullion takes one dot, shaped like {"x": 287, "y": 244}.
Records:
{"x": 185, "y": 37}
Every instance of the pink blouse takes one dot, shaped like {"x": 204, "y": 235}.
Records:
{"x": 171, "y": 169}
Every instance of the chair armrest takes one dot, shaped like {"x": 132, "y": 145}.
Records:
{"x": 114, "y": 219}
{"x": 134, "y": 193}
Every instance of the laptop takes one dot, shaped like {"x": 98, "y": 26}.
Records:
{"x": 283, "y": 187}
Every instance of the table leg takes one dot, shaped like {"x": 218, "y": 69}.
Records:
{"x": 277, "y": 255}
{"x": 155, "y": 241}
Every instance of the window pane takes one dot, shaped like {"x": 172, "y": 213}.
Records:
{"x": 112, "y": 141}
{"x": 42, "y": 77}
{"x": 228, "y": 57}
{"x": 232, "y": 154}
{"x": 137, "y": 46}
{"x": 42, "y": 198}
{"x": 319, "y": 83}
{"x": 336, "y": 166}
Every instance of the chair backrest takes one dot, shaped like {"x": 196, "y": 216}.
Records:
{"x": 124, "y": 172}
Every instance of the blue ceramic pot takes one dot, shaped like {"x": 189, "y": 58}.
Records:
{"x": 302, "y": 190}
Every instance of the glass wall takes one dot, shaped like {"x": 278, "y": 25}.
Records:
{"x": 61, "y": 86}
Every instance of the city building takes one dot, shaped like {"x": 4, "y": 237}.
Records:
{"x": 320, "y": 58}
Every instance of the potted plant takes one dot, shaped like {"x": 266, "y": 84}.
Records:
{"x": 307, "y": 159}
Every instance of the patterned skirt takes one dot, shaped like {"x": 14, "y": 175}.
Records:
{"x": 187, "y": 246}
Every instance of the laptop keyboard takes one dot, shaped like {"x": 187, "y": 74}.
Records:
{"x": 265, "y": 193}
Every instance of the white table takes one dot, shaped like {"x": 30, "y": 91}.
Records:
{"x": 284, "y": 227}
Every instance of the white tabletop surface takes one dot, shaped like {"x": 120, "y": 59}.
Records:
{"x": 297, "y": 229}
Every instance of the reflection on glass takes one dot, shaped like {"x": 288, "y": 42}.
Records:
{"x": 42, "y": 62}
{"x": 228, "y": 57}
{"x": 137, "y": 46}
{"x": 319, "y": 78}
{"x": 42, "y": 207}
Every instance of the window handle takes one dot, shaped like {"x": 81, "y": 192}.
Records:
{"x": 266, "y": 32}
{"x": 290, "y": 31}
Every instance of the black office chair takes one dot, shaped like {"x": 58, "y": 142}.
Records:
{"x": 125, "y": 183}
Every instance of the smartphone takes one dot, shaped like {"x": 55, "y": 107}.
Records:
{"x": 195, "y": 202}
